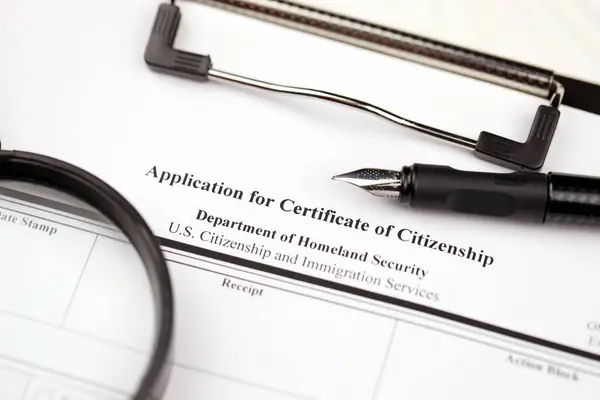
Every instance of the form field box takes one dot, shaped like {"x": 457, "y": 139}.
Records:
{"x": 290, "y": 342}
{"x": 114, "y": 300}
{"x": 39, "y": 269}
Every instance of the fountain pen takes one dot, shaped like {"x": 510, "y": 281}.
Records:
{"x": 521, "y": 195}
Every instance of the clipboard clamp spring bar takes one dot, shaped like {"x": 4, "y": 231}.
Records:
{"x": 161, "y": 56}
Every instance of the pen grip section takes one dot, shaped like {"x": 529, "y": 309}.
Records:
{"x": 573, "y": 199}
{"x": 519, "y": 195}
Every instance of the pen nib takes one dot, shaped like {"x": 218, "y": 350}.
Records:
{"x": 378, "y": 182}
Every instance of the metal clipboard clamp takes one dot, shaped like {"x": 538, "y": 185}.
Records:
{"x": 162, "y": 57}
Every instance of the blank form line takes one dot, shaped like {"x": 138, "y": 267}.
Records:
{"x": 64, "y": 375}
{"x": 244, "y": 382}
{"x": 384, "y": 362}
{"x": 79, "y": 281}
{"x": 26, "y": 388}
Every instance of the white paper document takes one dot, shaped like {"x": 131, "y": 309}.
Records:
{"x": 289, "y": 285}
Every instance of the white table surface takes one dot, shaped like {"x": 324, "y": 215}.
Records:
{"x": 561, "y": 35}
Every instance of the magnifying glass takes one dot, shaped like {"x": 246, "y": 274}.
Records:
{"x": 86, "y": 306}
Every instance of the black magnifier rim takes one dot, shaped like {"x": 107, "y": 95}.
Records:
{"x": 57, "y": 174}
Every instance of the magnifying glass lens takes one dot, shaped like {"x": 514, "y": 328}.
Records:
{"x": 76, "y": 306}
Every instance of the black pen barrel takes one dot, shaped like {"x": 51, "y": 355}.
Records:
{"x": 518, "y": 195}
{"x": 573, "y": 199}
{"x": 522, "y": 195}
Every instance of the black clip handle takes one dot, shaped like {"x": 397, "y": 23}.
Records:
{"x": 160, "y": 54}
{"x": 529, "y": 155}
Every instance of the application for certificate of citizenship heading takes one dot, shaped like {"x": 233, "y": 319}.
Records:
{"x": 290, "y": 285}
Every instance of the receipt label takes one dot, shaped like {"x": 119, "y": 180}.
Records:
{"x": 243, "y": 287}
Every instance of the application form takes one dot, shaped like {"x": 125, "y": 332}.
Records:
{"x": 289, "y": 285}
